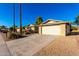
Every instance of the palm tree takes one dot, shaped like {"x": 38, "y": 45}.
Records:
{"x": 14, "y": 17}
{"x": 39, "y": 20}
{"x": 20, "y": 19}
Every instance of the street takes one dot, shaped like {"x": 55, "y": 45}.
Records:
{"x": 4, "y": 51}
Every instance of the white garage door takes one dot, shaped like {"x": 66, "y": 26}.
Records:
{"x": 51, "y": 30}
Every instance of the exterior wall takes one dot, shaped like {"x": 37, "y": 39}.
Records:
{"x": 51, "y": 30}
{"x": 33, "y": 28}
{"x": 61, "y": 29}
{"x": 40, "y": 29}
{"x": 26, "y": 28}
{"x": 18, "y": 30}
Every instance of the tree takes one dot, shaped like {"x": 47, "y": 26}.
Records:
{"x": 23, "y": 27}
{"x": 2, "y": 27}
{"x": 20, "y": 19}
{"x": 77, "y": 21}
{"x": 12, "y": 28}
{"x": 39, "y": 20}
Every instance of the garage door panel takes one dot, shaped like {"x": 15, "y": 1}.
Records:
{"x": 51, "y": 30}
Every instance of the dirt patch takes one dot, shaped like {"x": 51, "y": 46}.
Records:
{"x": 62, "y": 46}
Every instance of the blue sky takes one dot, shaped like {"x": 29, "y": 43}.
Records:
{"x": 30, "y": 11}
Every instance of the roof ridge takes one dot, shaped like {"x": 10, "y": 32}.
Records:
{"x": 52, "y": 20}
{"x": 55, "y": 20}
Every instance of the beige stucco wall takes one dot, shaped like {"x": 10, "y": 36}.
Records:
{"x": 18, "y": 30}
{"x": 54, "y": 30}
{"x": 40, "y": 30}
{"x": 51, "y": 30}
{"x": 33, "y": 28}
{"x": 63, "y": 29}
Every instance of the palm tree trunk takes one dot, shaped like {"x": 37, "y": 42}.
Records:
{"x": 14, "y": 17}
{"x": 20, "y": 19}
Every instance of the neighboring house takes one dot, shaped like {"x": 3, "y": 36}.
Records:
{"x": 4, "y": 30}
{"x": 26, "y": 28}
{"x": 55, "y": 27}
{"x": 33, "y": 28}
{"x": 18, "y": 29}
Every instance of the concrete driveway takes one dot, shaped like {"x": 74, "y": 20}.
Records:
{"x": 28, "y": 46}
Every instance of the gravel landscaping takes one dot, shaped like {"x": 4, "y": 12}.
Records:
{"x": 62, "y": 46}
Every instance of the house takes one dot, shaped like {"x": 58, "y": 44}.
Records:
{"x": 18, "y": 29}
{"x": 33, "y": 28}
{"x": 55, "y": 27}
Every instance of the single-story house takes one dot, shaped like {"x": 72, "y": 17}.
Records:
{"x": 33, "y": 28}
{"x": 55, "y": 27}
{"x": 18, "y": 29}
